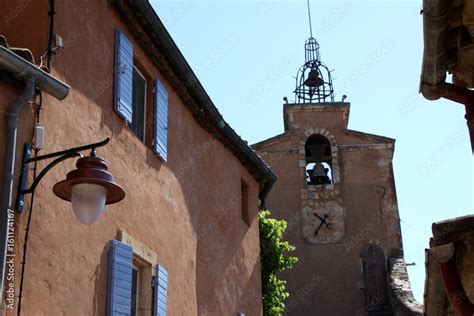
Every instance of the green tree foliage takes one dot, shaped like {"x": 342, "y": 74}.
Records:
{"x": 274, "y": 253}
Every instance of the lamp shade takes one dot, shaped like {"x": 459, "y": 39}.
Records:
{"x": 89, "y": 187}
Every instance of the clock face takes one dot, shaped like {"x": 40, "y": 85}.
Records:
{"x": 323, "y": 222}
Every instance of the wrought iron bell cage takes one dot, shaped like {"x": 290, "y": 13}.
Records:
{"x": 313, "y": 80}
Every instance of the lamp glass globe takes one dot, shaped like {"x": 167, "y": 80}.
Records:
{"x": 88, "y": 201}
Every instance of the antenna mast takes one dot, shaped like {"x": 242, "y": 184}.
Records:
{"x": 313, "y": 80}
{"x": 309, "y": 17}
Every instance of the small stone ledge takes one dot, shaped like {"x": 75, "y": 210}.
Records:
{"x": 403, "y": 302}
{"x": 144, "y": 253}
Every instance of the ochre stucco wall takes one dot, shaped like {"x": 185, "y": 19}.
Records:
{"x": 186, "y": 210}
{"x": 328, "y": 279}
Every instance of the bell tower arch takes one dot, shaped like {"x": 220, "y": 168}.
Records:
{"x": 318, "y": 160}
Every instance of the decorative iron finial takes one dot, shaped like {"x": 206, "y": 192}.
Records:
{"x": 313, "y": 80}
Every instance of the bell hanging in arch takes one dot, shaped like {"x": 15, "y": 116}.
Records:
{"x": 319, "y": 175}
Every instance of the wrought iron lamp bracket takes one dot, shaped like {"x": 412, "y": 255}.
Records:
{"x": 61, "y": 156}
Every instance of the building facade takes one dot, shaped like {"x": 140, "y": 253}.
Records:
{"x": 448, "y": 30}
{"x": 186, "y": 234}
{"x": 337, "y": 192}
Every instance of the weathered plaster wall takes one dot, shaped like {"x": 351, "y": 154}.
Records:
{"x": 328, "y": 278}
{"x": 187, "y": 210}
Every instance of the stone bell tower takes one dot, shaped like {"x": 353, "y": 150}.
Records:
{"x": 336, "y": 190}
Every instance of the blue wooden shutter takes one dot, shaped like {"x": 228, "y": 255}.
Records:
{"x": 123, "y": 83}
{"x": 119, "y": 296}
{"x": 161, "y": 120}
{"x": 161, "y": 290}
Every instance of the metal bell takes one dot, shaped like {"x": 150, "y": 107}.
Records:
{"x": 313, "y": 79}
{"x": 319, "y": 175}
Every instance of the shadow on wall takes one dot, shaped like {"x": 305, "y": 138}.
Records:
{"x": 152, "y": 160}
{"x": 231, "y": 287}
{"x": 249, "y": 295}
{"x": 100, "y": 284}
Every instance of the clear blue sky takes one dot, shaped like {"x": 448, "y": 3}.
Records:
{"x": 246, "y": 54}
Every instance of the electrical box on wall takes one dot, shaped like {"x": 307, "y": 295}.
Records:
{"x": 39, "y": 136}
{"x": 58, "y": 41}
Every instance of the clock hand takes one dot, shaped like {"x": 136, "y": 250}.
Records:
{"x": 323, "y": 222}
{"x": 319, "y": 227}
{"x": 323, "y": 219}
{"x": 319, "y": 217}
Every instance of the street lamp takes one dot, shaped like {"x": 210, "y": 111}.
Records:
{"x": 89, "y": 187}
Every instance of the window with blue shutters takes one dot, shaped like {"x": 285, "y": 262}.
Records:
{"x": 130, "y": 86}
{"x": 130, "y": 95}
{"x": 119, "y": 299}
{"x": 161, "y": 291}
{"x": 160, "y": 141}
{"x": 130, "y": 276}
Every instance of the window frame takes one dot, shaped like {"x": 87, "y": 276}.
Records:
{"x": 127, "y": 254}
{"x": 144, "y": 106}
{"x": 136, "y": 287}
{"x": 244, "y": 202}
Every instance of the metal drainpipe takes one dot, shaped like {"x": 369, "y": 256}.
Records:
{"x": 454, "y": 289}
{"x": 33, "y": 76}
{"x": 464, "y": 96}
{"x": 449, "y": 273}
{"x": 8, "y": 171}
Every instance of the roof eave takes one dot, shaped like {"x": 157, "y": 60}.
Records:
{"x": 382, "y": 139}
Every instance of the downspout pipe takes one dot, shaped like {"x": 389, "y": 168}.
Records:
{"x": 454, "y": 289}
{"x": 21, "y": 68}
{"x": 464, "y": 96}
{"x": 33, "y": 77}
{"x": 443, "y": 248}
{"x": 8, "y": 171}
{"x": 433, "y": 83}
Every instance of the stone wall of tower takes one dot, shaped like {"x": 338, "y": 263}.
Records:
{"x": 361, "y": 206}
